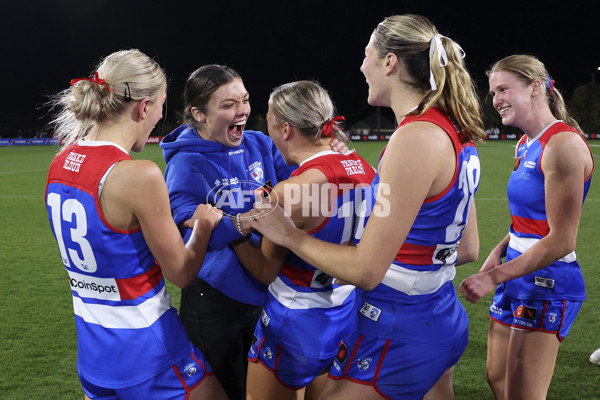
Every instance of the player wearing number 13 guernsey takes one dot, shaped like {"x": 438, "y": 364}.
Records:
{"x": 111, "y": 219}
{"x": 119, "y": 293}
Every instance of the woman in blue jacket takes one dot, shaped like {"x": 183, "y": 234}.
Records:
{"x": 212, "y": 159}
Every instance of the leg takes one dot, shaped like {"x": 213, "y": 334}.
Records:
{"x": 221, "y": 328}
{"x": 344, "y": 389}
{"x": 442, "y": 390}
{"x": 210, "y": 388}
{"x": 531, "y": 362}
{"x": 497, "y": 349}
{"x": 262, "y": 385}
{"x": 313, "y": 390}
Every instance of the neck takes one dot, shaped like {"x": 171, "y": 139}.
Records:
{"x": 538, "y": 118}
{"x": 115, "y": 132}
{"x": 404, "y": 101}
{"x": 300, "y": 153}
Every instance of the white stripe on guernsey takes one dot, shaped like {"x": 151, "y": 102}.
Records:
{"x": 523, "y": 244}
{"x": 96, "y": 143}
{"x": 124, "y": 317}
{"x": 417, "y": 282}
{"x": 307, "y": 300}
{"x": 319, "y": 154}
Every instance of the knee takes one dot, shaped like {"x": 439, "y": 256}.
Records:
{"x": 495, "y": 379}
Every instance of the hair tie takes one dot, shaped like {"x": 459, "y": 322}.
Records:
{"x": 550, "y": 86}
{"x": 327, "y": 128}
{"x": 96, "y": 80}
{"x": 436, "y": 44}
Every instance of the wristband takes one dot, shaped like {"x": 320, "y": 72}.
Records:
{"x": 238, "y": 225}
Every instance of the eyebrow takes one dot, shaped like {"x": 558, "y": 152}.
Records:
{"x": 234, "y": 100}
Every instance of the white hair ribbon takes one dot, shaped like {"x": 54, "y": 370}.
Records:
{"x": 436, "y": 44}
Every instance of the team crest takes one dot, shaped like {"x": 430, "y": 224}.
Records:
{"x": 364, "y": 364}
{"x": 256, "y": 171}
{"x": 268, "y": 353}
{"x": 190, "y": 369}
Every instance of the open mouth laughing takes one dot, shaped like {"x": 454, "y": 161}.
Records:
{"x": 236, "y": 130}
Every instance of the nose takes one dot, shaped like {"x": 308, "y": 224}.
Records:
{"x": 244, "y": 109}
{"x": 496, "y": 100}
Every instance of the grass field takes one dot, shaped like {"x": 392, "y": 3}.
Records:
{"x": 37, "y": 332}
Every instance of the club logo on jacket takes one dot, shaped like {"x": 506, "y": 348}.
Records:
{"x": 265, "y": 318}
{"x": 256, "y": 171}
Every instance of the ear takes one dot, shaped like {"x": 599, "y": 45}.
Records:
{"x": 536, "y": 88}
{"x": 198, "y": 115}
{"x": 391, "y": 63}
{"x": 288, "y": 131}
{"x": 143, "y": 107}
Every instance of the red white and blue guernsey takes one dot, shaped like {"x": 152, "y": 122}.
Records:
{"x": 127, "y": 331}
{"x": 416, "y": 300}
{"x": 305, "y": 311}
{"x": 529, "y": 223}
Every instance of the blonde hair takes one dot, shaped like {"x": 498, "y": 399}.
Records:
{"x": 306, "y": 106}
{"x": 528, "y": 69}
{"x": 410, "y": 38}
{"x": 128, "y": 75}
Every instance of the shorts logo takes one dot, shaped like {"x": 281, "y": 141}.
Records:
{"x": 265, "y": 318}
{"x": 525, "y": 312}
{"x": 190, "y": 369}
{"x": 342, "y": 353}
{"x": 544, "y": 282}
{"x": 552, "y": 317}
{"x": 268, "y": 353}
{"x": 495, "y": 309}
{"x": 370, "y": 311}
{"x": 364, "y": 364}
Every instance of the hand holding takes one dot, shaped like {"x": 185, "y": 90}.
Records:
{"x": 205, "y": 213}
{"x": 271, "y": 220}
{"x": 339, "y": 147}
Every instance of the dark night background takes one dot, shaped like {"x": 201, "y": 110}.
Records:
{"x": 46, "y": 44}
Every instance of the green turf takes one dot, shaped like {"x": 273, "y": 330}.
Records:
{"x": 37, "y": 332}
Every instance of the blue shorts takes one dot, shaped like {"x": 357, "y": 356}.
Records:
{"x": 291, "y": 369}
{"x": 395, "y": 369}
{"x": 176, "y": 381}
{"x": 550, "y": 316}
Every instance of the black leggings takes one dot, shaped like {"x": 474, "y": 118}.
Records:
{"x": 222, "y": 329}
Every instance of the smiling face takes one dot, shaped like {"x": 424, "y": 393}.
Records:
{"x": 511, "y": 97}
{"x": 372, "y": 69}
{"x": 226, "y": 114}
